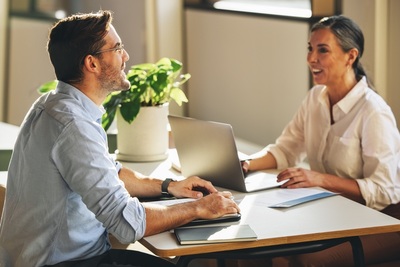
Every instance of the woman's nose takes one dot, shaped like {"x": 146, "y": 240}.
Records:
{"x": 311, "y": 57}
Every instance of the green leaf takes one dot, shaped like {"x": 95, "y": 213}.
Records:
{"x": 47, "y": 87}
{"x": 178, "y": 96}
{"x": 159, "y": 82}
{"x": 129, "y": 110}
{"x": 108, "y": 118}
{"x": 176, "y": 65}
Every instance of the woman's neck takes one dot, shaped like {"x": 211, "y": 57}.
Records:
{"x": 338, "y": 91}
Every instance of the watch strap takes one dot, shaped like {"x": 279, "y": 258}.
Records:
{"x": 164, "y": 186}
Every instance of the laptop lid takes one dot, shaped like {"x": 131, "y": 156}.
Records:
{"x": 208, "y": 149}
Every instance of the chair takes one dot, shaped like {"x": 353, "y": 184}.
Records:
{"x": 2, "y": 197}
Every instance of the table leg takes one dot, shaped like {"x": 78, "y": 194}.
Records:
{"x": 358, "y": 252}
{"x": 220, "y": 262}
{"x": 280, "y": 250}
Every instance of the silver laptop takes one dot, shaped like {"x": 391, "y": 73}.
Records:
{"x": 208, "y": 149}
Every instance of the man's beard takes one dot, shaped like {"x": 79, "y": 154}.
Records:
{"x": 113, "y": 79}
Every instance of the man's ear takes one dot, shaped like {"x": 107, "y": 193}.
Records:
{"x": 91, "y": 63}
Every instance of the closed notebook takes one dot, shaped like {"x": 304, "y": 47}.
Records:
{"x": 215, "y": 234}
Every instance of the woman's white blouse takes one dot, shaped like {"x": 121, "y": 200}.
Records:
{"x": 363, "y": 143}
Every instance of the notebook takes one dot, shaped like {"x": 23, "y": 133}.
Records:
{"x": 208, "y": 149}
{"x": 215, "y": 234}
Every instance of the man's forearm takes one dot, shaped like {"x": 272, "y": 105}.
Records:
{"x": 138, "y": 185}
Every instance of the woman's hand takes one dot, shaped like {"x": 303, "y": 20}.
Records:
{"x": 299, "y": 177}
{"x": 245, "y": 165}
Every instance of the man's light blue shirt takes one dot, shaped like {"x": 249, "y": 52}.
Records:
{"x": 63, "y": 191}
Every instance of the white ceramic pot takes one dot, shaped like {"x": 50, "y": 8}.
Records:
{"x": 146, "y": 139}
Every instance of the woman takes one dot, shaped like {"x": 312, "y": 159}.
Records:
{"x": 348, "y": 134}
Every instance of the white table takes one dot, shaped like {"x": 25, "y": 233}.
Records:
{"x": 333, "y": 219}
{"x": 3, "y": 178}
{"x": 323, "y": 221}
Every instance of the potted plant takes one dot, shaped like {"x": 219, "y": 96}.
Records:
{"x": 142, "y": 110}
{"x": 145, "y": 104}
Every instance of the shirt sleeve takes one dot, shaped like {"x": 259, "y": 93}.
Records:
{"x": 82, "y": 158}
{"x": 380, "y": 185}
{"x": 289, "y": 148}
{"x": 118, "y": 166}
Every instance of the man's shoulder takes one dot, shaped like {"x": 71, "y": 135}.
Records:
{"x": 64, "y": 108}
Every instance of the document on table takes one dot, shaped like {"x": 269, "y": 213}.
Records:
{"x": 285, "y": 198}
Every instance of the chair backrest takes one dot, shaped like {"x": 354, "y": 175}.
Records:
{"x": 2, "y": 197}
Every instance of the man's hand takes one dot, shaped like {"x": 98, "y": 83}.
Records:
{"x": 216, "y": 205}
{"x": 192, "y": 187}
{"x": 162, "y": 218}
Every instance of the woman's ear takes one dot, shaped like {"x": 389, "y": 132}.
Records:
{"x": 353, "y": 54}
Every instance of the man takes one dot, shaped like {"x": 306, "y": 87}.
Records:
{"x": 65, "y": 193}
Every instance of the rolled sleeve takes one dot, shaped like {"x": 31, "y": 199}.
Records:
{"x": 279, "y": 156}
{"x": 375, "y": 196}
{"x": 380, "y": 186}
{"x": 135, "y": 214}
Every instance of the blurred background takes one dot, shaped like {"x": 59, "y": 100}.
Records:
{"x": 247, "y": 58}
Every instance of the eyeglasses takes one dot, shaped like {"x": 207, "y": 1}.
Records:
{"x": 117, "y": 49}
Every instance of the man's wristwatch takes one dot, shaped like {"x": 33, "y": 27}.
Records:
{"x": 164, "y": 187}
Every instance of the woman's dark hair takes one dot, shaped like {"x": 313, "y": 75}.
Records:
{"x": 349, "y": 35}
{"x": 72, "y": 39}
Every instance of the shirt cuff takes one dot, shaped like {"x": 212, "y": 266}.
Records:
{"x": 118, "y": 166}
{"x": 279, "y": 156}
{"x": 135, "y": 214}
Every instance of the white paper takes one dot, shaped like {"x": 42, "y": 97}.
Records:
{"x": 276, "y": 197}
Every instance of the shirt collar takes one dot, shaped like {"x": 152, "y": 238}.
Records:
{"x": 348, "y": 102}
{"x": 94, "y": 111}
{"x": 352, "y": 97}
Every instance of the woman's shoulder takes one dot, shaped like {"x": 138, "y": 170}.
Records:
{"x": 374, "y": 100}
{"x": 317, "y": 93}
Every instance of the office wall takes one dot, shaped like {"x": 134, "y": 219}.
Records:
{"x": 366, "y": 15}
{"x": 251, "y": 71}
{"x": 129, "y": 21}
{"x": 393, "y": 69}
{"x": 248, "y": 71}
{"x": 379, "y": 20}
{"x": 221, "y": 60}
{"x": 29, "y": 64}
{"x": 3, "y": 42}
{"x": 167, "y": 30}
